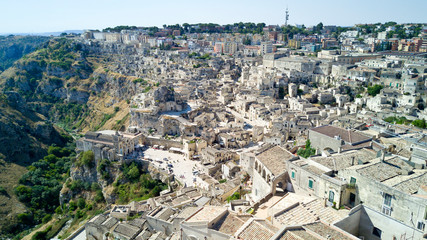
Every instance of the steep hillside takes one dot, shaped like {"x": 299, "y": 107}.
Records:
{"x": 13, "y": 48}
{"x": 60, "y": 86}
{"x": 24, "y": 138}
{"x": 71, "y": 86}
{"x": 24, "y": 134}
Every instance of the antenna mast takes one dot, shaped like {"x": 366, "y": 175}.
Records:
{"x": 286, "y": 16}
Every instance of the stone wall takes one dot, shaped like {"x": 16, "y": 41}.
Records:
{"x": 200, "y": 230}
{"x": 160, "y": 225}
{"x": 260, "y": 187}
{"x": 362, "y": 220}
{"x": 322, "y": 184}
{"x": 151, "y": 141}
{"x": 321, "y": 142}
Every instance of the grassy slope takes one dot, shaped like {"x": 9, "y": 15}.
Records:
{"x": 9, "y": 205}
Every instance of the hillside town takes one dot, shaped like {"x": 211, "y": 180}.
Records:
{"x": 277, "y": 133}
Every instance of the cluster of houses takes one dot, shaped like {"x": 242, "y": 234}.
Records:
{"x": 292, "y": 144}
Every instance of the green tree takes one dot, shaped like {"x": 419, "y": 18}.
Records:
{"x": 81, "y": 203}
{"x": 421, "y": 123}
{"x": 47, "y": 218}
{"x": 87, "y": 158}
{"x": 307, "y": 151}
{"x": 72, "y": 206}
{"x": 133, "y": 173}
{"x": 374, "y": 90}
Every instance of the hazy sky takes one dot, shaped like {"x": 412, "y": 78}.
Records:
{"x": 17, "y": 16}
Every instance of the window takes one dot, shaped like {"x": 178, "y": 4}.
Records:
{"x": 331, "y": 196}
{"x": 386, "y": 210}
{"x": 376, "y": 232}
{"x": 421, "y": 226}
{"x": 310, "y": 183}
{"x": 352, "y": 180}
{"x": 387, "y": 199}
{"x": 293, "y": 175}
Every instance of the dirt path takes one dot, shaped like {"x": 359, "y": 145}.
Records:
{"x": 29, "y": 236}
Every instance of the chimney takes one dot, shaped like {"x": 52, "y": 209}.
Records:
{"x": 352, "y": 161}
{"x": 382, "y": 156}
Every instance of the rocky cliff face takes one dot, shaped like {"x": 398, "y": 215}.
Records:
{"x": 90, "y": 175}
{"x": 70, "y": 83}
{"x": 13, "y": 48}
{"x": 24, "y": 134}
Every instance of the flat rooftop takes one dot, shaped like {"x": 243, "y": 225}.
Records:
{"x": 208, "y": 214}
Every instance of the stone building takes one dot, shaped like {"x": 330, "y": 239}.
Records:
{"x": 108, "y": 144}
{"x": 270, "y": 171}
{"x": 147, "y": 107}
{"x": 335, "y": 139}
{"x": 390, "y": 187}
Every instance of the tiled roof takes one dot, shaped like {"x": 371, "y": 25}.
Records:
{"x": 208, "y": 213}
{"x": 187, "y": 212}
{"x": 126, "y": 230}
{"x": 230, "y": 223}
{"x": 344, "y": 160}
{"x": 99, "y": 220}
{"x": 326, "y": 231}
{"x": 258, "y": 230}
{"x": 308, "y": 213}
{"x": 349, "y": 136}
{"x": 111, "y": 221}
{"x": 412, "y": 185}
{"x": 297, "y": 234}
{"x": 275, "y": 159}
{"x": 315, "y": 231}
{"x": 380, "y": 171}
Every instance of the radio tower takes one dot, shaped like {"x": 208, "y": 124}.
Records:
{"x": 287, "y": 16}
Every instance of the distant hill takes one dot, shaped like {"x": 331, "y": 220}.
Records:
{"x": 46, "y": 34}
{"x": 13, "y": 48}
